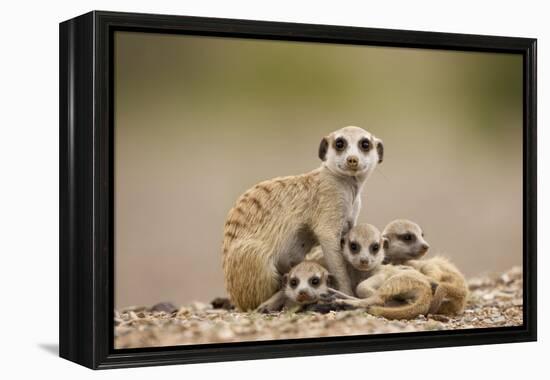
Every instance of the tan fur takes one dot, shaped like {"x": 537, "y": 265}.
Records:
{"x": 316, "y": 255}
{"x": 274, "y": 224}
{"x": 451, "y": 292}
{"x": 394, "y": 292}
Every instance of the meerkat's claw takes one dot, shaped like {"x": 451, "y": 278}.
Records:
{"x": 338, "y": 294}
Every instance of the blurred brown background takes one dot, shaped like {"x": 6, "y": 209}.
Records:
{"x": 199, "y": 120}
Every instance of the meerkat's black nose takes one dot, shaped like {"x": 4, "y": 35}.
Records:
{"x": 364, "y": 261}
{"x": 352, "y": 161}
{"x": 425, "y": 247}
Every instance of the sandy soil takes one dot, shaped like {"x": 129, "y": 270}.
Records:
{"x": 495, "y": 301}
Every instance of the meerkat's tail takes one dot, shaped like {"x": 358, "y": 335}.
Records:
{"x": 449, "y": 298}
{"x": 405, "y": 296}
{"x": 250, "y": 275}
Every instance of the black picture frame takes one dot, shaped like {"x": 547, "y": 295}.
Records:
{"x": 86, "y": 189}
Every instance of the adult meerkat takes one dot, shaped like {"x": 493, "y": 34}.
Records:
{"x": 306, "y": 284}
{"x": 404, "y": 243}
{"x": 393, "y": 292}
{"x": 274, "y": 224}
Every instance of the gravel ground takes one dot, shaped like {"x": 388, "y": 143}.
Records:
{"x": 495, "y": 301}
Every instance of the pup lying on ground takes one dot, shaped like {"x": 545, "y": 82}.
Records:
{"x": 404, "y": 243}
{"x": 307, "y": 287}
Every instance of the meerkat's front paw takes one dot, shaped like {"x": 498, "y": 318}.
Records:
{"x": 349, "y": 302}
{"x": 360, "y": 303}
{"x": 262, "y": 310}
{"x": 327, "y": 297}
{"x": 266, "y": 308}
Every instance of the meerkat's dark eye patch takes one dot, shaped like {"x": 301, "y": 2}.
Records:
{"x": 315, "y": 281}
{"x": 332, "y": 282}
{"x": 365, "y": 144}
{"x": 340, "y": 144}
{"x": 408, "y": 237}
{"x": 294, "y": 282}
{"x": 354, "y": 247}
{"x": 374, "y": 248}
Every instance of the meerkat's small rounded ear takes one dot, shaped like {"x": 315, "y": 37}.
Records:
{"x": 323, "y": 147}
{"x": 332, "y": 282}
{"x": 284, "y": 280}
{"x": 385, "y": 242}
{"x": 343, "y": 239}
{"x": 380, "y": 150}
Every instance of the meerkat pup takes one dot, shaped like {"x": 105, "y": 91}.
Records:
{"x": 362, "y": 252}
{"x": 393, "y": 292}
{"x": 307, "y": 283}
{"x": 274, "y": 224}
{"x": 404, "y": 243}
{"x": 360, "y": 248}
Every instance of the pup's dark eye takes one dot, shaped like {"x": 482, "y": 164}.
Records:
{"x": 340, "y": 143}
{"x": 315, "y": 281}
{"x": 364, "y": 144}
{"x": 375, "y": 247}
{"x": 408, "y": 237}
{"x": 354, "y": 247}
{"x": 294, "y": 282}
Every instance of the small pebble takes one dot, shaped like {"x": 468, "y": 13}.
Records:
{"x": 167, "y": 307}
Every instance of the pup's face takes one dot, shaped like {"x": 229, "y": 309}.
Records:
{"x": 362, "y": 247}
{"x": 403, "y": 240}
{"x": 306, "y": 282}
{"x": 351, "y": 151}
